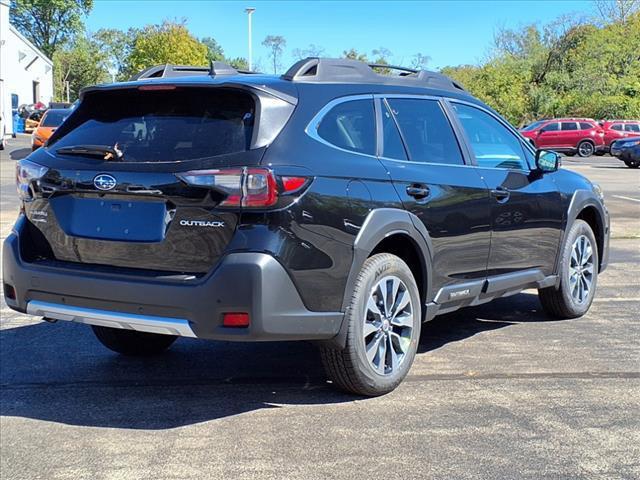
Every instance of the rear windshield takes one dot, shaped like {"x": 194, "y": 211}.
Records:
{"x": 53, "y": 119}
{"x": 163, "y": 125}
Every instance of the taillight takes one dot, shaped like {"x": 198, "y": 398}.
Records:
{"x": 26, "y": 173}
{"x": 250, "y": 187}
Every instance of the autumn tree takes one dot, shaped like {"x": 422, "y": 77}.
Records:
{"x": 168, "y": 42}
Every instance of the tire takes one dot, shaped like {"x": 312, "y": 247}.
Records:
{"x": 586, "y": 148}
{"x": 563, "y": 302}
{"x": 132, "y": 343}
{"x": 349, "y": 368}
{"x": 632, "y": 163}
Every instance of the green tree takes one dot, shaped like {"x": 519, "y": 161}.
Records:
{"x": 239, "y": 63}
{"x": 79, "y": 65}
{"x": 214, "y": 50}
{"x": 353, "y": 54}
{"x": 275, "y": 44}
{"x": 49, "y": 23}
{"x": 115, "y": 47}
{"x": 166, "y": 43}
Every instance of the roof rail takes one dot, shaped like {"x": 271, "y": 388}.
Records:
{"x": 169, "y": 70}
{"x": 344, "y": 70}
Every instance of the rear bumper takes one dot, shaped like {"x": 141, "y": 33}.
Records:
{"x": 255, "y": 283}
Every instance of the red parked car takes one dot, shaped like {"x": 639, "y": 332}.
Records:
{"x": 567, "y": 135}
{"x": 617, "y": 129}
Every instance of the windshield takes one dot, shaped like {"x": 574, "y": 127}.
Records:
{"x": 53, "y": 118}
{"x": 163, "y": 125}
{"x": 533, "y": 126}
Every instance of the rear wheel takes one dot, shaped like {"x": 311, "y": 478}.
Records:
{"x": 632, "y": 163}
{"x": 384, "y": 320}
{"x": 132, "y": 343}
{"x": 578, "y": 275}
{"x": 586, "y": 148}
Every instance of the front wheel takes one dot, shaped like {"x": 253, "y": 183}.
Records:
{"x": 384, "y": 320}
{"x": 586, "y": 148}
{"x": 131, "y": 342}
{"x": 578, "y": 275}
{"x": 632, "y": 163}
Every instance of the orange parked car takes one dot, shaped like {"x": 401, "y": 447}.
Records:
{"x": 51, "y": 120}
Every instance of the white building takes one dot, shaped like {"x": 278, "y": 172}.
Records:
{"x": 26, "y": 74}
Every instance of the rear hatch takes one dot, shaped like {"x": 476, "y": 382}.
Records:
{"x": 120, "y": 189}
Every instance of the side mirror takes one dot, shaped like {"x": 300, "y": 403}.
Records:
{"x": 547, "y": 161}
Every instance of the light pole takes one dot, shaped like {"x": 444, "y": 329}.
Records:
{"x": 250, "y": 11}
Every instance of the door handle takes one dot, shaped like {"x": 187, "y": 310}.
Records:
{"x": 501, "y": 194}
{"x": 418, "y": 191}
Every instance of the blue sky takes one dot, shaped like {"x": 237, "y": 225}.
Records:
{"x": 451, "y": 33}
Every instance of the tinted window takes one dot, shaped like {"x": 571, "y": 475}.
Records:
{"x": 632, "y": 127}
{"x": 426, "y": 131}
{"x": 617, "y": 126}
{"x": 54, "y": 118}
{"x": 533, "y": 126}
{"x": 163, "y": 125}
{"x": 392, "y": 143}
{"x": 493, "y": 145}
{"x": 351, "y": 125}
{"x": 585, "y": 126}
{"x": 569, "y": 126}
{"x": 551, "y": 127}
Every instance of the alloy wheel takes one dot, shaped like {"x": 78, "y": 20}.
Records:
{"x": 581, "y": 269}
{"x": 388, "y": 324}
{"x": 585, "y": 149}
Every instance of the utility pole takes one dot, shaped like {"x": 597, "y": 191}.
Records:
{"x": 250, "y": 11}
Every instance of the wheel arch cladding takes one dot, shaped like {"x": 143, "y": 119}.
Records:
{"x": 393, "y": 231}
{"x": 585, "y": 206}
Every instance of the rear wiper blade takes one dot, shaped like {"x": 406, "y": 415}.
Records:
{"x": 103, "y": 151}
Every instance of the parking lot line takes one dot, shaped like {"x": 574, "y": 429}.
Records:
{"x": 617, "y": 299}
{"x": 626, "y": 198}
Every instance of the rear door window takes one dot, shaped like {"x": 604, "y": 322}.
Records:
{"x": 569, "y": 126}
{"x": 163, "y": 125}
{"x": 632, "y": 127}
{"x": 426, "y": 131}
{"x": 351, "y": 126}
{"x": 392, "y": 143}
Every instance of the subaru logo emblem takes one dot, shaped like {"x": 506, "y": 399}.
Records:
{"x": 104, "y": 182}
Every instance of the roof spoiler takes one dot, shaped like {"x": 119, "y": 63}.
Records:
{"x": 334, "y": 70}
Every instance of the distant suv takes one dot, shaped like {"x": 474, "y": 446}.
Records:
{"x": 619, "y": 129}
{"x": 331, "y": 204}
{"x": 567, "y": 135}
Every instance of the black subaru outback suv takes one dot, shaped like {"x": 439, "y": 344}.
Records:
{"x": 331, "y": 204}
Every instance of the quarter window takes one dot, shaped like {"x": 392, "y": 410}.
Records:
{"x": 585, "y": 126}
{"x": 350, "y": 125}
{"x": 493, "y": 145}
{"x": 426, "y": 131}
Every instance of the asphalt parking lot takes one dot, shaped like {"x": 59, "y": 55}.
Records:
{"x": 497, "y": 391}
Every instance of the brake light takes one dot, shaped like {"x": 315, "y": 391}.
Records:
{"x": 156, "y": 87}
{"x": 26, "y": 173}
{"x": 250, "y": 187}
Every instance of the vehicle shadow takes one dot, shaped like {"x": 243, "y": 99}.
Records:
{"x": 60, "y": 373}
{"x": 20, "y": 153}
